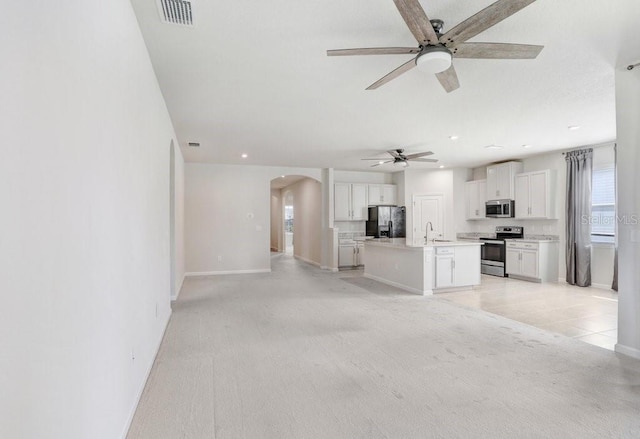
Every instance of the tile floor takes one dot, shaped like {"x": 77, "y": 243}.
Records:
{"x": 587, "y": 314}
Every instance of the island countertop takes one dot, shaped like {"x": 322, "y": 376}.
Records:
{"x": 438, "y": 266}
{"x": 400, "y": 243}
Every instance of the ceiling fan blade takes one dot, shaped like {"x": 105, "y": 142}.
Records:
{"x": 378, "y": 164}
{"x": 483, "y": 20}
{"x": 417, "y": 20}
{"x": 374, "y": 51}
{"x": 425, "y": 160}
{"x": 373, "y": 159}
{"x": 418, "y": 154}
{"x": 448, "y": 79}
{"x": 394, "y": 74}
{"x": 496, "y": 51}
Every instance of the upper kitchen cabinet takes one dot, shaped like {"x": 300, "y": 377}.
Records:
{"x": 500, "y": 180}
{"x": 350, "y": 202}
{"x": 380, "y": 194}
{"x": 475, "y": 194}
{"x": 535, "y": 194}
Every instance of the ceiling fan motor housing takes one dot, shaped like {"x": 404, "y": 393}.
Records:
{"x": 433, "y": 59}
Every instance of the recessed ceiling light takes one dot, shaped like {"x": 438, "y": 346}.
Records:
{"x": 244, "y": 156}
{"x": 282, "y": 176}
{"x": 454, "y": 137}
{"x": 527, "y": 146}
{"x": 441, "y": 166}
{"x": 573, "y": 127}
{"x": 381, "y": 163}
{"x": 493, "y": 147}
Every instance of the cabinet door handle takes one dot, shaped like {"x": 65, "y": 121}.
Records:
{"x": 477, "y": 212}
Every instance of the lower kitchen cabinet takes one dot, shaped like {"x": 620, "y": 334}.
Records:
{"x": 532, "y": 260}
{"x": 351, "y": 255}
{"x": 457, "y": 266}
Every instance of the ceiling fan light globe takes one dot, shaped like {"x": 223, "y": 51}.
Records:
{"x": 401, "y": 164}
{"x": 434, "y": 61}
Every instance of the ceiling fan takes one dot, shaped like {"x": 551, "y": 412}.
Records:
{"x": 400, "y": 159}
{"x": 435, "y": 49}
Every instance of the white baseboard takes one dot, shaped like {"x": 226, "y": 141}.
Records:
{"x": 308, "y": 261}
{"x": 178, "y": 290}
{"x": 601, "y": 286}
{"x": 133, "y": 409}
{"x": 628, "y": 351}
{"x": 217, "y": 273}
{"x": 324, "y": 267}
{"x": 398, "y": 285}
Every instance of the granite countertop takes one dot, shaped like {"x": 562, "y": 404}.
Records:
{"x": 401, "y": 243}
{"x": 528, "y": 239}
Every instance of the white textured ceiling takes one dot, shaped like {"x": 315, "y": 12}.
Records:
{"x": 253, "y": 77}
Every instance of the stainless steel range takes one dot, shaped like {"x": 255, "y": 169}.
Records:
{"x": 492, "y": 259}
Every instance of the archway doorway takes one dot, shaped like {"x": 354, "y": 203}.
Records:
{"x": 296, "y": 212}
{"x": 288, "y": 223}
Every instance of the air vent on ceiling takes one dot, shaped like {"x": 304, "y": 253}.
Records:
{"x": 178, "y": 12}
{"x": 194, "y": 144}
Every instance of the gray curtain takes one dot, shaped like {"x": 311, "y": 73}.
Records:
{"x": 578, "y": 251}
{"x": 614, "y": 284}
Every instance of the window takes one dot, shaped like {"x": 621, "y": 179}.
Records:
{"x": 603, "y": 205}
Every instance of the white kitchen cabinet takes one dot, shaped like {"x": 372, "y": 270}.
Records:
{"x": 350, "y": 202}
{"x": 457, "y": 266}
{"x": 475, "y": 194}
{"x": 380, "y": 194}
{"x": 535, "y": 195}
{"x": 445, "y": 266}
{"x": 532, "y": 260}
{"x": 500, "y": 180}
{"x": 351, "y": 255}
{"x": 360, "y": 253}
{"x": 345, "y": 256}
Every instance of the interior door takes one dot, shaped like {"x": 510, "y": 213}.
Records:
{"x": 428, "y": 208}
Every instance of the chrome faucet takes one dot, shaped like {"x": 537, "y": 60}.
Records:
{"x": 429, "y": 227}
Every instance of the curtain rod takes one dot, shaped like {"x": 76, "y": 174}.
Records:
{"x": 598, "y": 145}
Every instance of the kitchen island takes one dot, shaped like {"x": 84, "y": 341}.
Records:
{"x": 426, "y": 269}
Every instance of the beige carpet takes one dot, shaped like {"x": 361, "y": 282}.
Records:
{"x": 301, "y": 353}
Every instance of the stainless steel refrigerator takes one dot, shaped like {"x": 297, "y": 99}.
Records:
{"x": 386, "y": 222}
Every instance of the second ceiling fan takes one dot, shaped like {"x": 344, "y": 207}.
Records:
{"x": 435, "y": 50}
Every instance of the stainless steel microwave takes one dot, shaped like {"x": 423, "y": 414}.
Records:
{"x": 500, "y": 209}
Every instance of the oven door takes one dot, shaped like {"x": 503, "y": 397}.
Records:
{"x": 493, "y": 253}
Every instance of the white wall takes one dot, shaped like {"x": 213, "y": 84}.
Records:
{"x": 227, "y": 216}
{"x": 179, "y": 263}
{"x": 307, "y": 227}
{"x": 276, "y": 220}
{"x": 362, "y": 177}
{"x": 628, "y": 132}
{"x": 84, "y": 184}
